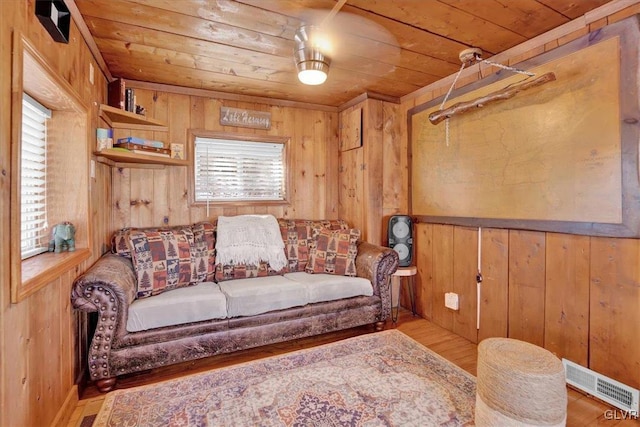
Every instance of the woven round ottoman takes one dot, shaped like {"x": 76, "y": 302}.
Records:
{"x": 519, "y": 384}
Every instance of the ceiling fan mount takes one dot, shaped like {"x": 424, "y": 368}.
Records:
{"x": 327, "y": 37}
{"x": 311, "y": 54}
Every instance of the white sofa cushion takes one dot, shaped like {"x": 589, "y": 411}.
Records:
{"x": 247, "y": 297}
{"x": 329, "y": 287}
{"x": 241, "y": 297}
{"x": 203, "y": 301}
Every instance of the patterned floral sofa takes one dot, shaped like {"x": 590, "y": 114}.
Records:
{"x": 161, "y": 298}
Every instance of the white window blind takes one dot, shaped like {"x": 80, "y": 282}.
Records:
{"x": 33, "y": 213}
{"x": 233, "y": 170}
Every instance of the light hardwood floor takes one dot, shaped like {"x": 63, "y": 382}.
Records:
{"x": 582, "y": 410}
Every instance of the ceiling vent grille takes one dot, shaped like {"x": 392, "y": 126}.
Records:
{"x": 611, "y": 391}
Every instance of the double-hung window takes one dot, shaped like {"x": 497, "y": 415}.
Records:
{"x": 233, "y": 170}
{"x": 33, "y": 174}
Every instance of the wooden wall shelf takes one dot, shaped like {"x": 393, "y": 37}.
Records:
{"x": 121, "y": 119}
{"x": 117, "y": 158}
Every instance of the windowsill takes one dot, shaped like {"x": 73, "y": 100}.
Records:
{"x": 41, "y": 269}
{"x": 220, "y": 203}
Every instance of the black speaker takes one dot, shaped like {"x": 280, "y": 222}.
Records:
{"x": 54, "y": 15}
{"x": 401, "y": 238}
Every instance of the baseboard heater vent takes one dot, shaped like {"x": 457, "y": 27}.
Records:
{"x": 611, "y": 391}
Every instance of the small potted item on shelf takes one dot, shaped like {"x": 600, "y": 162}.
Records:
{"x": 141, "y": 110}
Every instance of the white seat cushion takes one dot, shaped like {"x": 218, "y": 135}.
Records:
{"x": 203, "y": 301}
{"x": 330, "y": 287}
{"x": 246, "y": 297}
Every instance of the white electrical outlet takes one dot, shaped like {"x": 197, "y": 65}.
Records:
{"x": 451, "y": 301}
{"x": 92, "y": 169}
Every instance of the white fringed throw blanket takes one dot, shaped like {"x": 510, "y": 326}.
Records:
{"x": 249, "y": 239}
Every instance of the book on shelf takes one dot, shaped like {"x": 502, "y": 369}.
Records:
{"x": 140, "y": 141}
{"x": 116, "y": 94}
{"x": 104, "y": 138}
{"x": 143, "y": 149}
{"x": 150, "y": 153}
{"x": 129, "y": 100}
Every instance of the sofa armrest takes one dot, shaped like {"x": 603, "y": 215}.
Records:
{"x": 108, "y": 287}
{"x": 378, "y": 263}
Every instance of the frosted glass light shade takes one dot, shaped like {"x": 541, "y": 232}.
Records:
{"x": 312, "y": 77}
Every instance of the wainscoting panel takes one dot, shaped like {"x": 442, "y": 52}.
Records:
{"x": 614, "y": 336}
{"x": 577, "y": 296}
{"x": 566, "y": 322}
{"x": 526, "y": 286}
{"x": 465, "y": 261}
{"x": 494, "y": 302}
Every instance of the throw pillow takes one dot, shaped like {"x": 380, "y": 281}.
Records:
{"x": 120, "y": 239}
{"x": 334, "y": 252}
{"x": 162, "y": 260}
{"x": 246, "y": 271}
{"x": 203, "y": 251}
{"x": 120, "y": 243}
{"x": 298, "y": 235}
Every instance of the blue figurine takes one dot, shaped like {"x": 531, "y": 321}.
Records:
{"x": 63, "y": 237}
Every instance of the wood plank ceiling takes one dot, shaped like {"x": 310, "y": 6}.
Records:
{"x": 246, "y": 46}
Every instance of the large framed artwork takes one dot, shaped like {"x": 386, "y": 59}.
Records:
{"x": 562, "y": 156}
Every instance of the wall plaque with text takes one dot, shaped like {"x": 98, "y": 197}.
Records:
{"x": 245, "y": 118}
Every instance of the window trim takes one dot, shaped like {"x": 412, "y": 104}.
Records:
{"x": 32, "y": 74}
{"x": 202, "y": 133}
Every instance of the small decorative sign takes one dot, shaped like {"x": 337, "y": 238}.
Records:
{"x": 177, "y": 151}
{"x": 245, "y": 118}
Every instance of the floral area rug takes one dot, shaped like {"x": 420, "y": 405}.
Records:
{"x": 377, "y": 379}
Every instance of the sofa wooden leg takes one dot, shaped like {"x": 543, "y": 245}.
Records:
{"x": 379, "y": 326}
{"x": 106, "y": 384}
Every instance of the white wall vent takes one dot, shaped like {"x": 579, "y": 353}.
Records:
{"x": 611, "y": 391}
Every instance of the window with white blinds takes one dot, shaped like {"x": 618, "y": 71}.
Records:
{"x": 234, "y": 170}
{"x": 33, "y": 185}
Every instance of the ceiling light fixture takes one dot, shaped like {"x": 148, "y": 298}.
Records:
{"x": 311, "y": 61}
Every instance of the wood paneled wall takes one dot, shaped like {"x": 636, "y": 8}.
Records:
{"x": 577, "y": 296}
{"x": 371, "y": 181}
{"x": 159, "y": 196}
{"x": 38, "y": 344}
